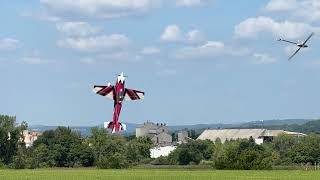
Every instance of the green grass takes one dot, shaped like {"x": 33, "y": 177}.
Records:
{"x": 152, "y": 174}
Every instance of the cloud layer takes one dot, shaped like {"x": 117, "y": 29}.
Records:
{"x": 251, "y": 27}
{"x": 96, "y": 43}
{"x": 173, "y": 33}
{"x": 309, "y": 10}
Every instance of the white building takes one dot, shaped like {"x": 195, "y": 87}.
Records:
{"x": 30, "y": 137}
{"x": 259, "y": 135}
{"x": 161, "y": 151}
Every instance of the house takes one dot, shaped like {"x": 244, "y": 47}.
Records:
{"x": 30, "y": 137}
{"x": 183, "y": 136}
{"x": 259, "y": 135}
{"x": 157, "y": 132}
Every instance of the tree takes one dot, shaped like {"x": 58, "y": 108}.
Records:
{"x": 41, "y": 157}
{"x": 283, "y": 145}
{"x": 66, "y": 148}
{"x": 192, "y": 152}
{"x": 241, "y": 154}
{"x": 11, "y": 138}
{"x": 109, "y": 151}
{"x": 138, "y": 149}
{"x": 307, "y": 150}
{"x": 19, "y": 160}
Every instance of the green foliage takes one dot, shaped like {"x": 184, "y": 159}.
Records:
{"x": 62, "y": 148}
{"x": 192, "y": 152}
{"x": 138, "y": 149}
{"x": 108, "y": 150}
{"x": 115, "y": 161}
{"x": 41, "y": 157}
{"x": 10, "y": 138}
{"x": 282, "y": 146}
{"x": 241, "y": 154}
{"x": 161, "y": 161}
{"x": 307, "y": 150}
{"x": 19, "y": 160}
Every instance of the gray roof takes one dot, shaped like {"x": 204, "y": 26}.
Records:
{"x": 224, "y": 134}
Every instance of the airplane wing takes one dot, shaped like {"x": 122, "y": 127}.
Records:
{"x": 107, "y": 91}
{"x": 308, "y": 38}
{"x": 131, "y": 94}
{"x": 294, "y": 54}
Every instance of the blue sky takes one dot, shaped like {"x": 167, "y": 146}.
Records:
{"x": 199, "y": 61}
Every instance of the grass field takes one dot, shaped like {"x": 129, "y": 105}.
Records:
{"x": 151, "y": 174}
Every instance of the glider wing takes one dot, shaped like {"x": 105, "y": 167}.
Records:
{"x": 294, "y": 53}
{"x": 308, "y": 38}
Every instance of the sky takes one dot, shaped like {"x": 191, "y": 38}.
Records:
{"x": 198, "y": 61}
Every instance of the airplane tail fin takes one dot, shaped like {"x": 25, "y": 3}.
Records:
{"x": 115, "y": 127}
{"x": 123, "y": 126}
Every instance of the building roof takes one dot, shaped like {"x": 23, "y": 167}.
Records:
{"x": 224, "y": 134}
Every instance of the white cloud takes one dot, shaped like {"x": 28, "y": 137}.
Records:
{"x": 263, "y": 58}
{"x": 150, "y": 50}
{"x": 100, "y": 8}
{"x": 76, "y": 28}
{"x": 307, "y": 9}
{"x": 36, "y": 60}
{"x": 8, "y": 44}
{"x": 95, "y": 43}
{"x": 209, "y": 50}
{"x": 282, "y": 5}
{"x": 195, "y": 36}
{"x": 173, "y": 33}
{"x": 192, "y": 3}
{"x": 251, "y": 27}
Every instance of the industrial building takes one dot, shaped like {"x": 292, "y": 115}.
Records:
{"x": 259, "y": 135}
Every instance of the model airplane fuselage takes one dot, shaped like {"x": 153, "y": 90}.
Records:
{"x": 118, "y": 94}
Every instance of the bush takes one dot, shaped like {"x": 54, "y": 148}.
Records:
{"x": 19, "y": 161}
{"x": 117, "y": 161}
{"x": 161, "y": 161}
{"x": 241, "y": 154}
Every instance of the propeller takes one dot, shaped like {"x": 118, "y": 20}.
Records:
{"x": 120, "y": 75}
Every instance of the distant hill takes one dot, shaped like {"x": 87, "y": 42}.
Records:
{"x": 84, "y": 130}
{"x": 275, "y": 122}
{"x": 131, "y": 127}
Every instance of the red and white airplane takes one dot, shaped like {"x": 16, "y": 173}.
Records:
{"x": 118, "y": 94}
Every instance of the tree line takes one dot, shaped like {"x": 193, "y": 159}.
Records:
{"x": 283, "y": 151}
{"x": 63, "y": 147}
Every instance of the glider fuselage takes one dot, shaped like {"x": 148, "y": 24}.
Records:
{"x": 302, "y": 45}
